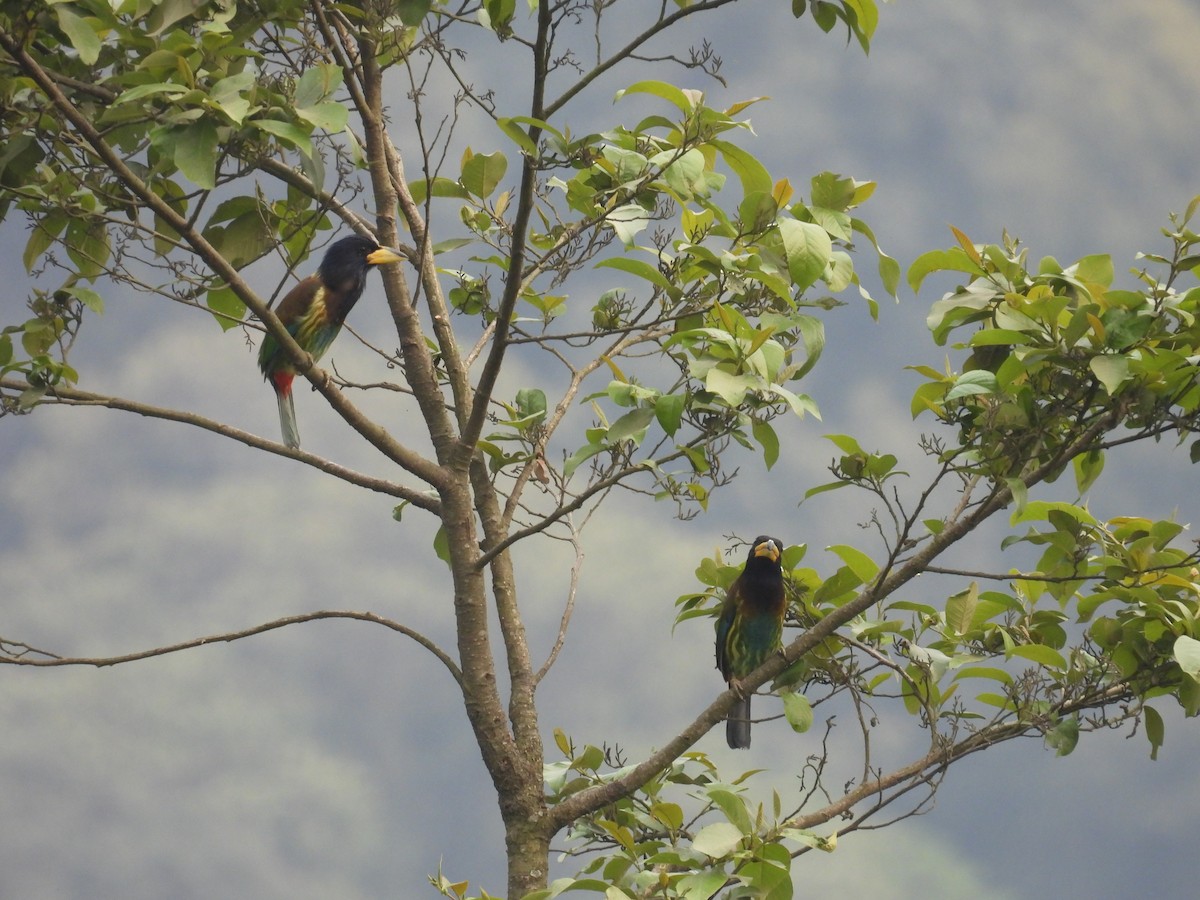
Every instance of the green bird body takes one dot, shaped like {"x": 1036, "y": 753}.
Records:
{"x": 313, "y": 312}
{"x": 750, "y": 627}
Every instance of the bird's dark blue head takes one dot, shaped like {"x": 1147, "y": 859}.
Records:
{"x": 765, "y": 553}
{"x": 344, "y": 268}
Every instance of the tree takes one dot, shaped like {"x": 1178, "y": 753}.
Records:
{"x": 167, "y": 148}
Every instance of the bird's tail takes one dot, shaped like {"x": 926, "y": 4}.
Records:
{"x": 287, "y": 417}
{"x": 737, "y": 725}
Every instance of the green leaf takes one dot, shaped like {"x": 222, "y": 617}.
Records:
{"x": 756, "y": 212}
{"x": 442, "y": 187}
{"x": 955, "y": 260}
{"x": 1155, "y": 729}
{"x": 1113, "y": 371}
{"x": 859, "y": 563}
{"x": 977, "y": 381}
{"x": 889, "y": 269}
{"x": 1063, "y": 737}
{"x": 482, "y": 172}
{"x": 839, "y": 275}
{"x": 934, "y": 661}
{"x": 88, "y": 298}
{"x": 765, "y": 434}
{"x": 517, "y": 135}
{"x": 42, "y": 236}
{"x": 87, "y": 245}
{"x": 229, "y": 96}
{"x": 754, "y": 175}
{"x": 450, "y": 244}
{"x": 807, "y": 249}
{"x": 1020, "y": 494}
{"x": 668, "y": 92}
{"x": 668, "y": 409}
{"x": 717, "y": 840}
{"x": 628, "y": 221}
{"x": 631, "y": 425}
{"x": 643, "y": 270}
{"x": 441, "y": 545}
{"x": 580, "y": 456}
{"x": 246, "y": 238}
{"x": 1041, "y": 654}
{"x": 983, "y": 672}
{"x": 1088, "y": 467}
{"x": 701, "y": 885}
{"x": 812, "y": 330}
{"x": 1096, "y": 269}
{"x": 168, "y": 12}
{"x": 845, "y": 443}
{"x": 149, "y": 90}
{"x": 798, "y": 711}
{"x": 733, "y": 806}
{"x": 832, "y": 589}
{"x": 669, "y": 814}
{"x": 497, "y": 15}
{"x": 85, "y": 40}
{"x": 317, "y": 83}
{"x": 832, "y": 191}
{"x": 1187, "y": 654}
{"x": 1041, "y": 510}
{"x": 960, "y": 609}
{"x": 227, "y": 307}
{"x": 729, "y": 387}
{"x": 531, "y": 404}
{"x": 992, "y": 337}
{"x": 331, "y": 116}
{"x": 801, "y": 404}
{"x": 866, "y": 15}
{"x": 1001, "y": 701}
{"x": 684, "y": 174}
{"x": 411, "y": 12}
{"x": 287, "y": 132}
{"x": 510, "y": 125}
{"x": 196, "y": 153}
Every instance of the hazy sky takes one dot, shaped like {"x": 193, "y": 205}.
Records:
{"x": 334, "y": 759}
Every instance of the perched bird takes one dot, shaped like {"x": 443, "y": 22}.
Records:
{"x": 313, "y": 313}
{"x": 750, "y": 627}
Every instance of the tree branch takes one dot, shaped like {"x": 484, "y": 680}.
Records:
{"x": 516, "y": 256}
{"x": 51, "y": 661}
{"x": 67, "y": 396}
{"x": 418, "y": 364}
{"x": 628, "y": 50}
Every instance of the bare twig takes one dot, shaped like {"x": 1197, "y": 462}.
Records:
{"x": 66, "y": 396}
{"x": 42, "y": 659}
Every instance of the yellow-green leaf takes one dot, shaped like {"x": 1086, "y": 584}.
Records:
{"x": 79, "y": 33}
{"x": 1040, "y": 654}
{"x": 798, "y": 711}
{"x": 482, "y": 173}
{"x": 857, "y": 561}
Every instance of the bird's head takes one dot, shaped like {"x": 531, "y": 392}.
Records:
{"x": 766, "y": 548}
{"x": 344, "y": 267}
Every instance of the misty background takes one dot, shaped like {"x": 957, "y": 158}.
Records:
{"x": 333, "y": 759}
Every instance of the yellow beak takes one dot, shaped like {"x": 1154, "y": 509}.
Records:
{"x": 384, "y": 255}
{"x": 769, "y": 550}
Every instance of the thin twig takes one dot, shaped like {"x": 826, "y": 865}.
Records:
{"x": 48, "y": 660}
{"x": 66, "y": 396}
